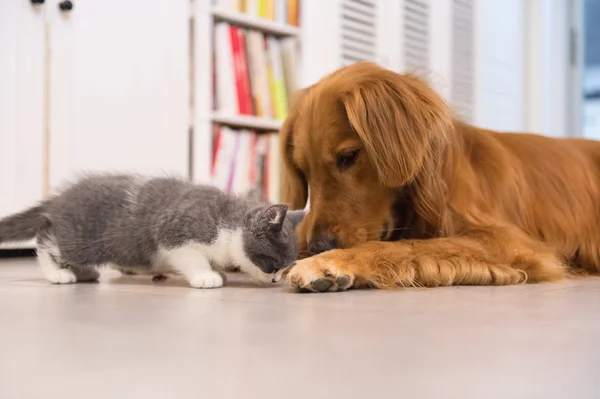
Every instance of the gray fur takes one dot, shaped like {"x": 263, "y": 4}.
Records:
{"x": 125, "y": 219}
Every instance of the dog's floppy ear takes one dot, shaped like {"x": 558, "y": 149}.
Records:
{"x": 400, "y": 120}
{"x": 294, "y": 184}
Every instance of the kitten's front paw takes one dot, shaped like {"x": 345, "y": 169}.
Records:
{"x": 61, "y": 276}
{"x": 207, "y": 280}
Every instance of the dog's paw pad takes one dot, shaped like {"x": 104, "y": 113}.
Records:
{"x": 343, "y": 282}
{"x": 321, "y": 274}
{"x": 321, "y": 284}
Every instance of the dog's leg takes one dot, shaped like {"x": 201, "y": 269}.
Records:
{"x": 498, "y": 256}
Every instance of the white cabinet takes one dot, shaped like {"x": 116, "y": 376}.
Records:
{"x": 119, "y": 87}
{"x": 102, "y": 86}
{"x": 21, "y": 104}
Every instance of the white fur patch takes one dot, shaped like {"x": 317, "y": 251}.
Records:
{"x": 52, "y": 271}
{"x": 192, "y": 263}
{"x": 194, "y": 260}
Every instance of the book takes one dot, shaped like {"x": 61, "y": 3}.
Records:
{"x": 216, "y": 148}
{"x": 241, "y": 167}
{"x": 228, "y": 5}
{"x": 259, "y": 79}
{"x": 281, "y": 11}
{"x": 273, "y": 169}
{"x": 227, "y": 101}
{"x": 251, "y": 73}
{"x": 256, "y": 73}
{"x": 224, "y": 159}
{"x": 253, "y": 8}
{"x": 253, "y": 171}
{"x": 247, "y": 163}
{"x": 292, "y": 12}
{"x": 261, "y": 165}
{"x": 289, "y": 49}
{"x": 268, "y": 9}
{"x": 276, "y": 78}
{"x": 242, "y": 79}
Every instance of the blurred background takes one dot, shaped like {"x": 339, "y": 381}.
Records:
{"x": 198, "y": 88}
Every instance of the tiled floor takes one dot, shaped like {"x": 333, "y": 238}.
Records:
{"x": 127, "y": 337}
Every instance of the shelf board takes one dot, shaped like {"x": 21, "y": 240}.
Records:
{"x": 249, "y": 21}
{"x": 247, "y": 122}
{"x": 18, "y": 245}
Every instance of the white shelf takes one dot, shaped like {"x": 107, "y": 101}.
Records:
{"x": 249, "y": 21}
{"x": 18, "y": 245}
{"x": 247, "y": 122}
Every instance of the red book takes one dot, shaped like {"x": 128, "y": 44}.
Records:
{"x": 241, "y": 71}
{"x": 245, "y": 65}
{"x": 215, "y": 149}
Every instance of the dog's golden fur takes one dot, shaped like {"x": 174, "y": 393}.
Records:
{"x": 462, "y": 205}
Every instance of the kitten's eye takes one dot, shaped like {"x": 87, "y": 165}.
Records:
{"x": 347, "y": 159}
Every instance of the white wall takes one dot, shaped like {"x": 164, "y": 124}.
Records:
{"x": 547, "y": 76}
{"x": 500, "y": 64}
{"x": 591, "y": 119}
{"x": 591, "y": 107}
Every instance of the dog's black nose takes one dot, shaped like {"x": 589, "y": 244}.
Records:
{"x": 322, "y": 244}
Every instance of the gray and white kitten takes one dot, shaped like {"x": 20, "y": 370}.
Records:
{"x": 155, "y": 226}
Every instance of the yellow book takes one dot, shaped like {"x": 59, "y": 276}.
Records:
{"x": 272, "y": 90}
{"x": 267, "y": 9}
{"x": 276, "y": 79}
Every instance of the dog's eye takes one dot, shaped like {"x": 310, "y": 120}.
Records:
{"x": 347, "y": 159}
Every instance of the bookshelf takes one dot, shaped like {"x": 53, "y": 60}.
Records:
{"x": 225, "y": 105}
{"x": 253, "y": 22}
{"x": 247, "y": 122}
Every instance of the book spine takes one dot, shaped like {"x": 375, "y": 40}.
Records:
{"x": 233, "y": 159}
{"x": 223, "y": 158}
{"x": 252, "y": 172}
{"x": 274, "y": 169}
{"x": 292, "y": 13}
{"x": 262, "y": 77}
{"x": 288, "y": 53}
{"x": 248, "y": 108}
{"x": 215, "y": 149}
{"x": 252, "y": 7}
{"x": 277, "y": 80}
{"x": 226, "y": 93}
{"x": 268, "y": 9}
{"x": 281, "y": 11}
{"x": 255, "y": 71}
{"x": 237, "y": 66}
{"x": 229, "y": 5}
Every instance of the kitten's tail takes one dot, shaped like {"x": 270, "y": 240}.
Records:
{"x": 22, "y": 226}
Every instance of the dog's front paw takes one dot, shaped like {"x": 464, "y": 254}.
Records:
{"x": 209, "y": 279}
{"x": 330, "y": 271}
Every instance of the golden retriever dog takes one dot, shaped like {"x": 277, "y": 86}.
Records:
{"x": 402, "y": 193}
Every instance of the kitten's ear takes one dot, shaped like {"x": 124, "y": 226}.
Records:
{"x": 272, "y": 217}
{"x": 296, "y": 217}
